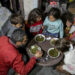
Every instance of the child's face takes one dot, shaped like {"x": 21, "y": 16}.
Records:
{"x": 38, "y": 19}
{"x": 52, "y": 18}
{"x": 68, "y": 23}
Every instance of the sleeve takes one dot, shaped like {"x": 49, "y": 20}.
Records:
{"x": 6, "y": 28}
{"x": 45, "y": 22}
{"x": 69, "y": 68}
{"x": 72, "y": 29}
{"x": 69, "y": 61}
{"x": 61, "y": 30}
{"x": 19, "y": 67}
{"x": 33, "y": 29}
{"x": 65, "y": 67}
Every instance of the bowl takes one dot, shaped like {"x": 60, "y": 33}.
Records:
{"x": 53, "y": 53}
{"x": 53, "y": 41}
{"x": 34, "y": 48}
{"x": 40, "y": 38}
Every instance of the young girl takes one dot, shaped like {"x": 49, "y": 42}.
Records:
{"x": 69, "y": 22}
{"x": 35, "y": 21}
{"x": 72, "y": 31}
{"x": 53, "y": 23}
{"x": 69, "y": 56}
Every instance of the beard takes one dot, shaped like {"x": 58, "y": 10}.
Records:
{"x": 21, "y": 46}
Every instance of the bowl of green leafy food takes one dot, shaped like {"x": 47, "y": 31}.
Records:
{"x": 34, "y": 49}
{"x": 40, "y": 38}
{"x": 53, "y": 41}
{"x": 53, "y": 53}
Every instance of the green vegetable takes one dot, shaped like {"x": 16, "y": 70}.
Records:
{"x": 33, "y": 50}
{"x": 39, "y": 38}
{"x": 53, "y": 53}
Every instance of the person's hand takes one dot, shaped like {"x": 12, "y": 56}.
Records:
{"x": 42, "y": 27}
{"x": 59, "y": 68}
{"x": 38, "y": 54}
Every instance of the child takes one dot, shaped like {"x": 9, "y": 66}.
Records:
{"x": 35, "y": 21}
{"x": 16, "y": 21}
{"x": 69, "y": 22}
{"x": 72, "y": 32}
{"x": 53, "y": 23}
{"x": 69, "y": 62}
{"x": 69, "y": 54}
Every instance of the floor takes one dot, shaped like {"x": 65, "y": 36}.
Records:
{"x": 45, "y": 71}
{"x": 38, "y": 70}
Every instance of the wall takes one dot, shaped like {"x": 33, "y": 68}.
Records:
{"x": 28, "y": 6}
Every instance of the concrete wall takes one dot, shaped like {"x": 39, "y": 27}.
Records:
{"x": 29, "y": 5}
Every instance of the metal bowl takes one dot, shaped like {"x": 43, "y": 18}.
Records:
{"x": 32, "y": 47}
{"x": 40, "y": 35}
{"x": 52, "y": 56}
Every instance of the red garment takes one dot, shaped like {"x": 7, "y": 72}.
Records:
{"x": 10, "y": 57}
{"x": 34, "y": 25}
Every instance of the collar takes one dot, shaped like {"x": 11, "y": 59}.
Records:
{"x": 12, "y": 43}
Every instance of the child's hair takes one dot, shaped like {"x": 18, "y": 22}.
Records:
{"x": 69, "y": 17}
{"x": 33, "y": 15}
{"x": 17, "y": 19}
{"x": 63, "y": 45}
{"x": 55, "y": 12}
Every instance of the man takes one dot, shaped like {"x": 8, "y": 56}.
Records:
{"x": 10, "y": 57}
